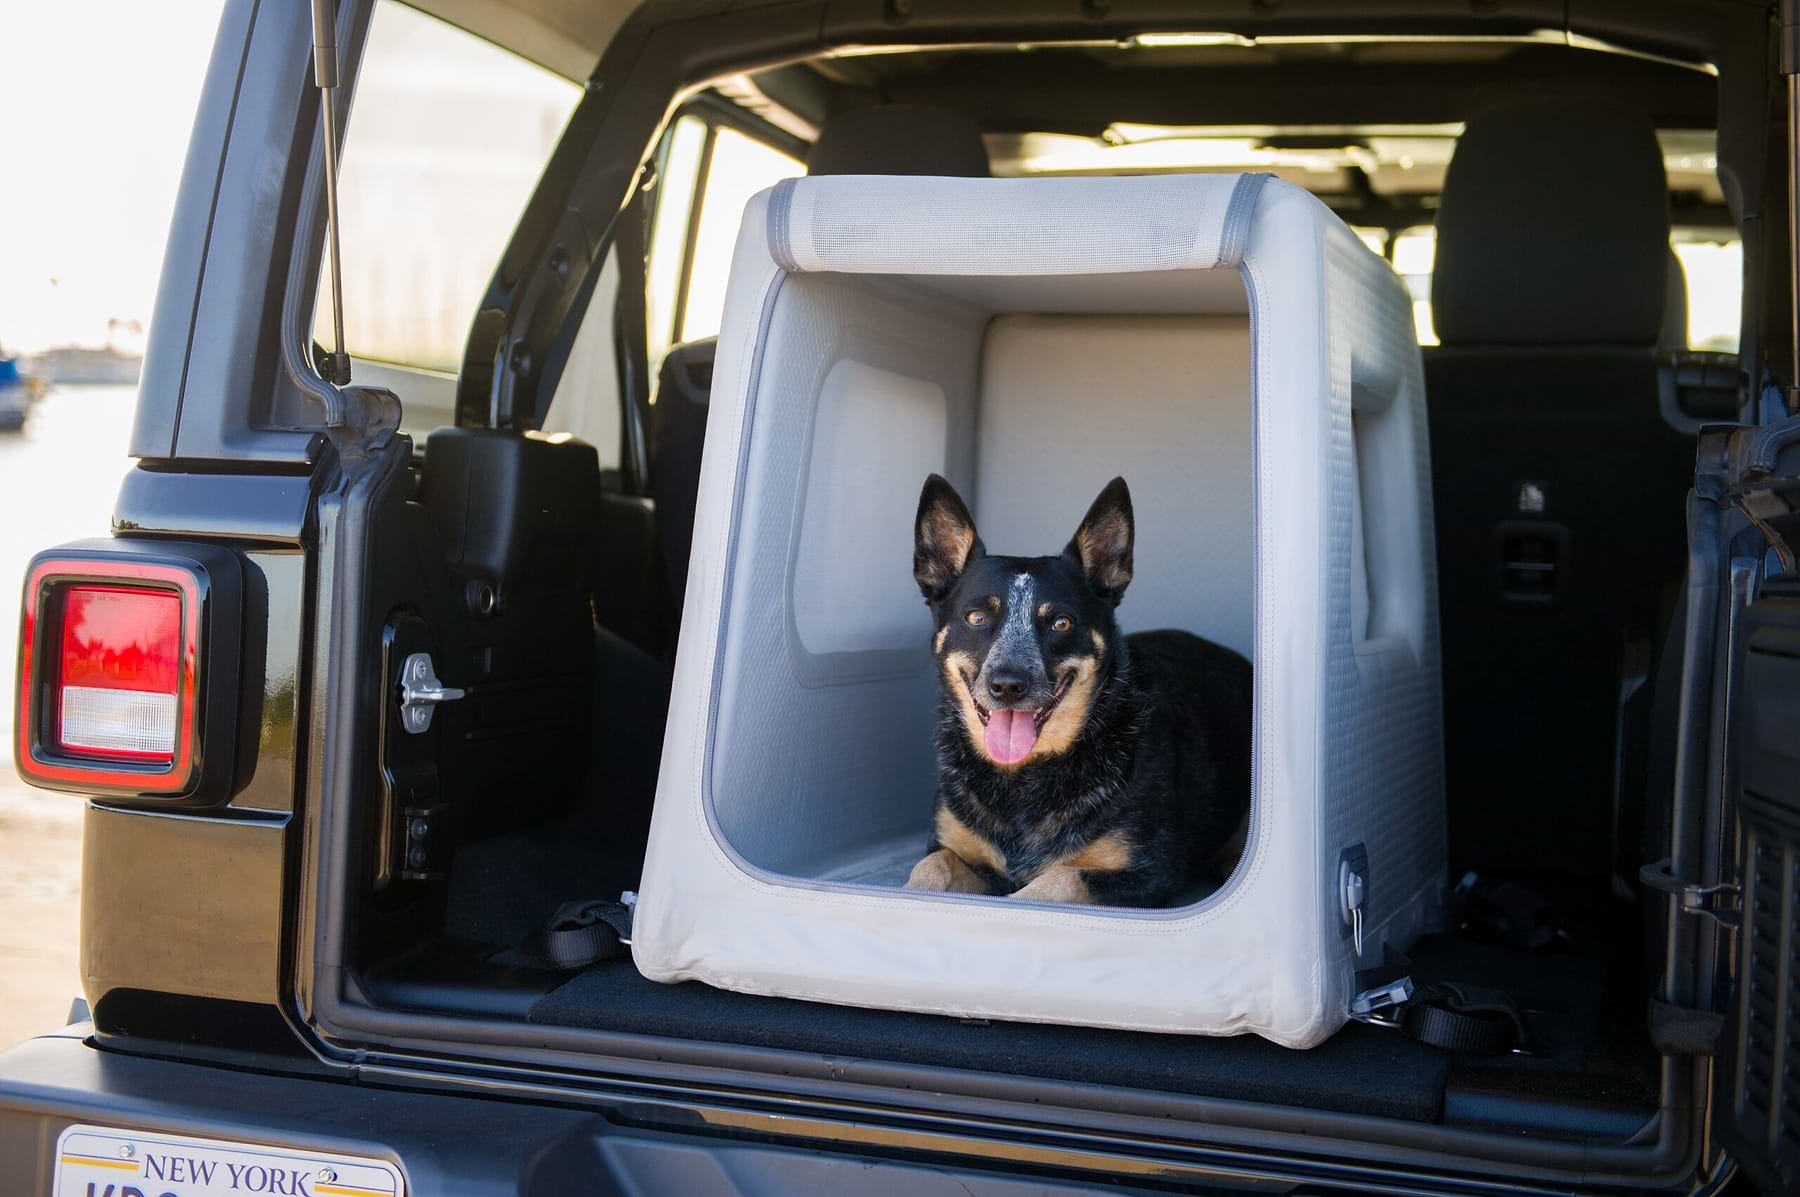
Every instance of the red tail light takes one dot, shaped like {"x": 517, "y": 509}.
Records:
{"x": 118, "y": 680}
{"x": 111, "y": 670}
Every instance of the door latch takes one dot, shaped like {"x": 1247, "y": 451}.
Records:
{"x": 420, "y": 693}
{"x": 1722, "y": 903}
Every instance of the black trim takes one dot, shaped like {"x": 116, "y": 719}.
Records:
{"x": 630, "y": 341}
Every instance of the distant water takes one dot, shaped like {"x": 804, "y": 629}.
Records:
{"x": 58, "y": 482}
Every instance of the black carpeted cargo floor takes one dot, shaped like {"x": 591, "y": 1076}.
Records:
{"x": 1588, "y": 1042}
{"x": 1360, "y": 1070}
{"x": 1583, "y": 999}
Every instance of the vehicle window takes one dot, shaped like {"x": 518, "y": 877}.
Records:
{"x": 1714, "y": 264}
{"x": 709, "y": 173}
{"x": 740, "y": 167}
{"x": 680, "y": 178}
{"x": 586, "y": 402}
{"x": 1412, "y": 255}
{"x": 1375, "y": 239}
{"x": 447, "y": 139}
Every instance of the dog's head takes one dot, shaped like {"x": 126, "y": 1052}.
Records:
{"x": 1023, "y": 643}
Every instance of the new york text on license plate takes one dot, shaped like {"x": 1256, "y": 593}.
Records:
{"x": 97, "y": 1161}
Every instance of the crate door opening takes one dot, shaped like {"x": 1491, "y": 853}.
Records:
{"x": 1028, "y": 395}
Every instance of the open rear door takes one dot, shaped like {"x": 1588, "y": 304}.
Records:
{"x": 1756, "y": 1106}
{"x": 1756, "y": 1077}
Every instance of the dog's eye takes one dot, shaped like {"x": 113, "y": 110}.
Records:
{"x": 976, "y": 617}
{"x": 1061, "y": 623}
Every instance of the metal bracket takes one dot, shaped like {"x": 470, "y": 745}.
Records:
{"x": 1722, "y": 903}
{"x": 420, "y": 692}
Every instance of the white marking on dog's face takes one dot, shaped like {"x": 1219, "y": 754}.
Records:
{"x": 1017, "y": 644}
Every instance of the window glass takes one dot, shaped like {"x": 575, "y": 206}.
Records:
{"x": 586, "y": 402}
{"x": 1375, "y": 239}
{"x": 1714, "y": 265}
{"x": 741, "y": 166}
{"x": 680, "y": 177}
{"x": 1414, "y": 250}
{"x": 447, "y": 139}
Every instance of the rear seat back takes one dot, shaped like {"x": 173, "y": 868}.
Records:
{"x": 900, "y": 139}
{"x": 888, "y": 139}
{"x": 1559, "y": 485}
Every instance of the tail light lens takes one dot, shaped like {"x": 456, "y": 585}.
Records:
{"x": 113, "y": 690}
{"x": 118, "y": 676}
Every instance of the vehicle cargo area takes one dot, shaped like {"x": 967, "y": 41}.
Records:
{"x": 545, "y": 573}
{"x": 573, "y": 821}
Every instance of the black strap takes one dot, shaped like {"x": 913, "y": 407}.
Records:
{"x": 577, "y": 935}
{"x": 1681, "y": 1031}
{"x": 1463, "y": 1018}
{"x": 1450, "y": 1015}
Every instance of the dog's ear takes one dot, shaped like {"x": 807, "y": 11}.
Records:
{"x": 943, "y": 539}
{"x": 1102, "y": 545}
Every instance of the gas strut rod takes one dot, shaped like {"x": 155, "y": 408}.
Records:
{"x": 1790, "y": 67}
{"x": 334, "y": 367}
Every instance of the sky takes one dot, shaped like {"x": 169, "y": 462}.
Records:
{"x": 97, "y": 100}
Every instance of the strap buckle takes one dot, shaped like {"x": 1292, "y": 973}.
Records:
{"x": 1378, "y": 1005}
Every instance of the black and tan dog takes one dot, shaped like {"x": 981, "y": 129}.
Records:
{"x": 1075, "y": 764}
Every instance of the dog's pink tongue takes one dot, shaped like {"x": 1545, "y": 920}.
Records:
{"x": 1010, "y": 736}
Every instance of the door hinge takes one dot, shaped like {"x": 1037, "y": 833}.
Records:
{"x": 1722, "y": 903}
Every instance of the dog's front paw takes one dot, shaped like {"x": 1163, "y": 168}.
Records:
{"x": 1057, "y": 884}
{"x": 931, "y": 873}
{"x": 946, "y": 872}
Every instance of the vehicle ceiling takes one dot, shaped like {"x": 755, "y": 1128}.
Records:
{"x": 1371, "y": 124}
{"x": 565, "y": 36}
{"x": 1334, "y": 114}
{"x": 1083, "y": 89}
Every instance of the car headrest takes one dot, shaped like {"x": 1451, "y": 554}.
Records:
{"x": 899, "y": 139}
{"x": 1553, "y": 229}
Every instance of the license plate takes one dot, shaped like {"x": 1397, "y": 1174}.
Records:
{"x": 97, "y": 1161}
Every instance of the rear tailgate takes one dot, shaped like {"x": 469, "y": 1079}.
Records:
{"x": 437, "y": 1144}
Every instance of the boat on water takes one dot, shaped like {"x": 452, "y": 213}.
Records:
{"x": 18, "y": 390}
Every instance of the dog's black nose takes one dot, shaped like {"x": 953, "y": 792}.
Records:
{"x": 1006, "y": 686}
